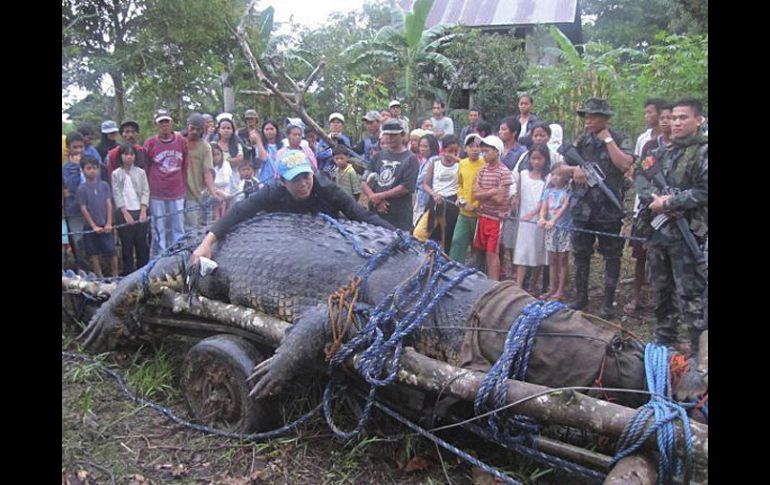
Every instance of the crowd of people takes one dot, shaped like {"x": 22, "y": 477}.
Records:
{"x": 505, "y": 197}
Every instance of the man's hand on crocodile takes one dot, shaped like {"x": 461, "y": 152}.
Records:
{"x": 203, "y": 249}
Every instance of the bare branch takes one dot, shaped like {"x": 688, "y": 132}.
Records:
{"x": 309, "y": 81}
{"x": 297, "y": 107}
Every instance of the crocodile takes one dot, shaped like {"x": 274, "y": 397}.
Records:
{"x": 287, "y": 265}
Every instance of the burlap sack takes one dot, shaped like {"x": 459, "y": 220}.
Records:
{"x": 570, "y": 349}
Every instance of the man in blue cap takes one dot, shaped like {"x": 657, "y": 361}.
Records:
{"x": 298, "y": 191}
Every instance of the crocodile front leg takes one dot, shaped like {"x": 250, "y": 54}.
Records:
{"x": 112, "y": 325}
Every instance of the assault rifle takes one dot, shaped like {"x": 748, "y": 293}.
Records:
{"x": 594, "y": 174}
{"x": 654, "y": 174}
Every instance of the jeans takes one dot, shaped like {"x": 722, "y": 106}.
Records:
{"x": 167, "y": 229}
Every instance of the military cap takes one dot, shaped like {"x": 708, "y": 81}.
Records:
{"x": 595, "y": 106}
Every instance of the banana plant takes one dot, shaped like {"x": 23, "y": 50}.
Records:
{"x": 408, "y": 50}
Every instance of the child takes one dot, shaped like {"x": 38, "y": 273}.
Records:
{"x": 294, "y": 133}
{"x": 530, "y": 251}
{"x": 71, "y": 178}
{"x": 491, "y": 190}
{"x": 248, "y": 185}
{"x": 439, "y": 219}
{"x": 131, "y": 192}
{"x": 347, "y": 179}
{"x": 555, "y": 218}
{"x": 223, "y": 179}
{"x": 465, "y": 226}
{"x": 94, "y": 197}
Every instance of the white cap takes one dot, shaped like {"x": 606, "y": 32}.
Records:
{"x": 493, "y": 141}
{"x": 224, "y": 116}
{"x": 470, "y": 136}
{"x": 336, "y": 116}
{"x": 395, "y": 102}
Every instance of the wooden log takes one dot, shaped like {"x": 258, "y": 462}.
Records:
{"x": 565, "y": 407}
{"x": 636, "y": 469}
{"x": 95, "y": 289}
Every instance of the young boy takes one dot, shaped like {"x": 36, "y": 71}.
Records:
{"x": 248, "y": 184}
{"x": 491, "y": 190}
{"x": 95, "y": 200}
{"x": 347, "y": 178}
{"x": 71, "y": 178}
{"x": 465, "y": 227}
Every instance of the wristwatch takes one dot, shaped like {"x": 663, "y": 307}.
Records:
{"x": 608, "y": 140}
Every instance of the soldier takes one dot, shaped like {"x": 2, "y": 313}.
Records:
{"x": 674, "y": 269}
{"x": 591, "y": 208}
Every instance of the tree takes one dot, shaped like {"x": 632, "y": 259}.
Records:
{"x": 635, "y": 23}
{"x": 492, "y": 66}
{"x": 407, "y": 52}
{"x": 98, "y": 39}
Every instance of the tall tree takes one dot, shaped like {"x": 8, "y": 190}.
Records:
{"x": 99, "y": 39}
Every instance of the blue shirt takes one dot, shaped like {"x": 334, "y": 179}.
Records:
{"x": 510, "y": 159}
{"x": 323, "y": 153}
{"x": 95, "y": 196}
{"x": 71, "y": 178}
{"x": 556, "y": 199}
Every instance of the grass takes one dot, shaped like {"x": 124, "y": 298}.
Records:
{"x": 153, "y": 375}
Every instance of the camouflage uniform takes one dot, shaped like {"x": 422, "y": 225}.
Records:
{"x": 677, "y": 279}
{"x": 592, "y": 210}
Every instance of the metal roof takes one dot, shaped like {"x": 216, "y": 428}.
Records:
{"x": 498, "y": 12}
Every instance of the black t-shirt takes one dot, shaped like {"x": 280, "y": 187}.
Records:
{"x": 395, "y": 169}
{"x": 325, "y": 197}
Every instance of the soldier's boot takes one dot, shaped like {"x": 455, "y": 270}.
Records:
{"x": 582, "y": 266}
{"x": 611, "y": 276}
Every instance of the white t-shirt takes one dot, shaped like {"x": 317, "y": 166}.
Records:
{"x": 445, "y": 124}
{"x": 223, "y": 178}
{"x": 641, "y": 141}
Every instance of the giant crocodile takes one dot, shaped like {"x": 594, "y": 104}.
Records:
{"x": 286, "y": 265}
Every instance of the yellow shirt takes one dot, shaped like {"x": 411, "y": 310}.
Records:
{"x": 63, "y": 149}
{"x": 466, "y": 176}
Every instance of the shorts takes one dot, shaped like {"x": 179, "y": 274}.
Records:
{"x": 557, "y": 240}
{"x": 487, "y": 236}
{"x": 99, "y": 244}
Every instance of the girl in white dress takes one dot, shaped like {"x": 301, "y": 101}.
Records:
{"x": 223, "y": 179}
{"x": 530, "y": 240}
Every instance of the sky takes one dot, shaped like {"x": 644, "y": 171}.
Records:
{"x": 308, "y": 12}
{"x": 311, "y": 13}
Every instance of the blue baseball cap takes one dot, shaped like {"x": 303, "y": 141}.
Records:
{"x": 293, "y": 163}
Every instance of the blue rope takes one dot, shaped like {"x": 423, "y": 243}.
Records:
{"x": 347, "y": 234}
{"x": 659, "y": 415}
{"x": 380, "y": 343}
{"x": 552, "y": 461}
{"x": 513, "y": 362}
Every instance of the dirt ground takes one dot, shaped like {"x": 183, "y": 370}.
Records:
{"x": 107, "y": 438}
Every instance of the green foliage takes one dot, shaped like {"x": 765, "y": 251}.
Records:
{"x": 635, "y": 23}
{"x": 362, "y": 93}
{"x": 153, "y": 378}
{"x": 407, "y": 52}
{"x": 493, "y": 66}
{"x": 672, "y": 67}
